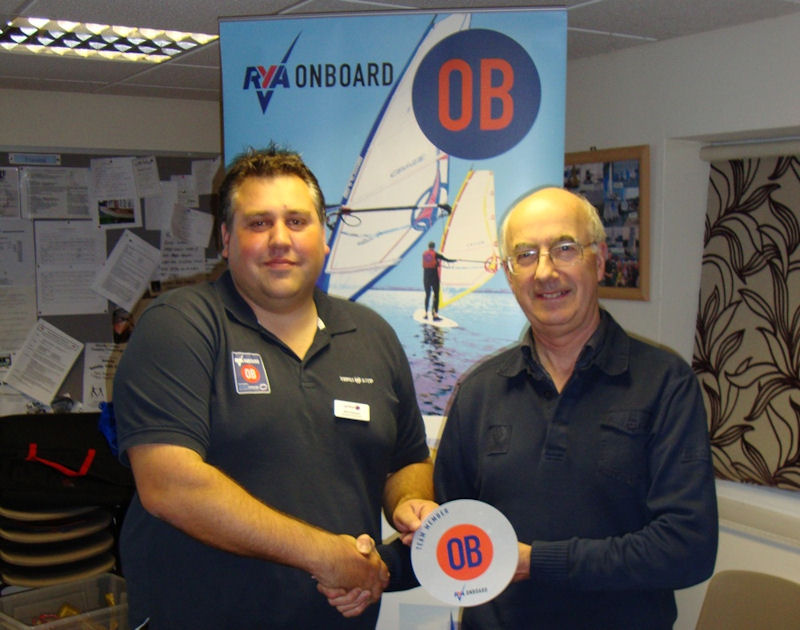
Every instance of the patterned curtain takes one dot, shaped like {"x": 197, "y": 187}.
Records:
{"x": 747, "y": 340}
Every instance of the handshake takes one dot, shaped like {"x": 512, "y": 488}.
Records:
{"x": 465, "y": 555}
{"x": 354, "y": 572}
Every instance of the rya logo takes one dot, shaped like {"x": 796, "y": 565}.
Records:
{"x": 265, "y": 80}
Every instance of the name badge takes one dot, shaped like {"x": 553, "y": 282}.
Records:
{"x": 351, "y": 410}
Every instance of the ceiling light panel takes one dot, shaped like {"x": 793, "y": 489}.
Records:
{"x": 98, "y": 41}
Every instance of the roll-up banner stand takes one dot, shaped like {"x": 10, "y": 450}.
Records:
{"x": 421, "y": 127}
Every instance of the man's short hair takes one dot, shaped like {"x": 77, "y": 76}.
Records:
{"x": 272, "y": 161}
{"x": 597, "y": 233}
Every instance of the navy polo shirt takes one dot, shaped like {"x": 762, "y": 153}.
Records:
{"x": 314, "y": 438}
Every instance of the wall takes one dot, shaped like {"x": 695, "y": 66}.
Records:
{"x": 730, "y": 83}
{"x": 734, "y": 83}
{"x": 115, "y": 123}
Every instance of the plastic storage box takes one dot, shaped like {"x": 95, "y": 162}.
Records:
{"x": 101, "y": 603}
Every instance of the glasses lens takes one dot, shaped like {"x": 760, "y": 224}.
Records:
{"x": 561, "y": 254}
{"x": 565, "y": 253}
{"x": 526, "y": 258}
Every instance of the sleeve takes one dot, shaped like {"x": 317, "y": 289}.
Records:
{"x": 677, "y": 546}
{"x": 397, "y": 557}
{"x": 163, "y": 383}
{"x": 454, "y": 467}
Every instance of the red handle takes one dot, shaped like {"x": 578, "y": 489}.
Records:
{"x": 87, "y": 462}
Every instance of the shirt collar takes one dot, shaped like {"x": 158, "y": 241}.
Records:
{"x": 607, "y": 349}
{"x": 334, "y": 320}
{"x": 233, "y": 301}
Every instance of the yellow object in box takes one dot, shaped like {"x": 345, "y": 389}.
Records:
{"x": 78, "y": 605}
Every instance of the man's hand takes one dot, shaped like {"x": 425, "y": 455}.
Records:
{"x": 523, "y": 571}
{"x": 351, "y": 602}
{"x": 408, "y": 516}
{"x": 407, "y": 498}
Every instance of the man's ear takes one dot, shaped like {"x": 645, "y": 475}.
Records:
{"x": 601, "y": 256}
{"x": 226, "y": 237}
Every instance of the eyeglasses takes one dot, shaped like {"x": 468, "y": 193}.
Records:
{"x": 561, "y": 254}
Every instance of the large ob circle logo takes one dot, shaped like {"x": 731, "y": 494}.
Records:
{"x": 464, "y": 552}
{"x": 476, "y": 94}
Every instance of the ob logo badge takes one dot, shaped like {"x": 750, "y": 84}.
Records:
{"x": 464, "y": 552}
{"x": 476, "y": 94}
{"x": 250, "y": 373}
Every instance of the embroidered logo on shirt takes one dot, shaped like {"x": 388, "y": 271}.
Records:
{"x": 499, "y": 439}
{"x": 358, "y": 380}
{"x": 249, "y": 373}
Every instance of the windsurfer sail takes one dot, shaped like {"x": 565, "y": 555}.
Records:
{"x": 470, "y": 237}
{"x": 397, "y": 168}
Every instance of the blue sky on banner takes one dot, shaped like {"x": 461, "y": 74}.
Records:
{"x": 318, "y": 85}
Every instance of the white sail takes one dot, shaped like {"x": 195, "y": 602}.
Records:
{"x": 400, "y": 169}
{"x": 470, "y": 237}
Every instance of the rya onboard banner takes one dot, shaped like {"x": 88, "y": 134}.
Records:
{"x": 421, "y": 128}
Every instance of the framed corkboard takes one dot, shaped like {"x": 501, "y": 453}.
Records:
{"x": 617, "y": 182}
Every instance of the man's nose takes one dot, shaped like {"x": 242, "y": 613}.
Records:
{"x": 279, "y": 233}
{"x": 544, "y": 266}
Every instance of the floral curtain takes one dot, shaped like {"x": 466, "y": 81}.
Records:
{"x": 747, "y": 339}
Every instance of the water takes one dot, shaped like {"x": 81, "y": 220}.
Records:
{"x": 487, "y": 321}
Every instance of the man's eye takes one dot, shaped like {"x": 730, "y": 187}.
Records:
{"x": 567, "y": 251}
{"x": 528, "y": 255}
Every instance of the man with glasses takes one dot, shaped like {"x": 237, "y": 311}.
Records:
{"x": 592, "y": 443}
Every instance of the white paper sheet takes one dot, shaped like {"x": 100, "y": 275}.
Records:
{"x": 49, "y": 192}
{"x": 114, "y": 199}
{"x": 159, "y": 207}
{"x": 11, "y": 401}
{"x": 145, "y": 171}
{"x": 204, "y": 172}
{"x": 191, "y": 226}
{"x": 127, "y": 271}
{"x": 17, "y": 262}
{"x": 100, "y": 361}
{"x": 68, "y": 254}
{"x": 180, "y": 260}
{"x": 187, "y": 190}
{"x": 17, "y": 316}
{"x": 43, "y": 362}
{"x": 9, "y": 192}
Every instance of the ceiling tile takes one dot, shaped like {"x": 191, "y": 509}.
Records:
{"x": 595, "y": 27}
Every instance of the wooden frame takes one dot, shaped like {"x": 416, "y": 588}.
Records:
{"x": 617, "y": 182}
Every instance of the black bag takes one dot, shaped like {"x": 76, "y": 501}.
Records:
{"x": 59, "y": 460}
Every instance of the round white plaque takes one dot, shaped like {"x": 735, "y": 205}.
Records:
{"x": 465, "y": 552}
